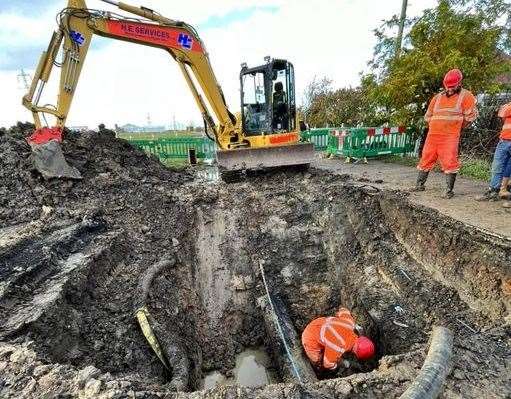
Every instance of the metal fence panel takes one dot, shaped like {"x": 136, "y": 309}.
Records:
{"x": 178, "y": 147}
{"x": 362, "y": 142}
{"x": 318, "y": 137}
{"x": 348, "y": 142}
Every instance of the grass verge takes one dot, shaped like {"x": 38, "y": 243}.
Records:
{"x": 477, "y": 169}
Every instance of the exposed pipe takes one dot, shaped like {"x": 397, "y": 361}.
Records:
{"x": 435, "y": 369}
{"x": 280, "y": 328}
{"x": 164, "y": 342}
{"x": 144, "y": 283}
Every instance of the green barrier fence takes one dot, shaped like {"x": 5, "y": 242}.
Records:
{"x": 361, "y": 143}
{"x": 177, "y": 148}
{"x": 318, "y": 137}
{"x": 357, "y": 143}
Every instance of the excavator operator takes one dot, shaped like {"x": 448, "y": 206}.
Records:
{"x": 279, "y": 107}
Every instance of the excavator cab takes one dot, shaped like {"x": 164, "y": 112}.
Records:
{"x": 268, "y": 98}
{"x": 268, "y": 120}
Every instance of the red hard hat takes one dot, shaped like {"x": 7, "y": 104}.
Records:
{"x": 363, "y": 348}
{"x": 453, "y": 78}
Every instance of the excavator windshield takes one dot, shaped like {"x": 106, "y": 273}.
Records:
{"x": 268, "y": 98}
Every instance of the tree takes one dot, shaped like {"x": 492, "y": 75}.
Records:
{"x": 325, "y": 106}
{"x": 472, "y": 35}
{"x": 315, "y": 101}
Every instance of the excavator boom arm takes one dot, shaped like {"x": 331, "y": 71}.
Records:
{"x": 77, "y": 27}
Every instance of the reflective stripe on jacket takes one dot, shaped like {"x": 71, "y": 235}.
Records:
{"x": 338, "y": 336}
{"x": 505, "y": 114}
{"x": 326, "y": 339}
{"x": 448, "y": 115}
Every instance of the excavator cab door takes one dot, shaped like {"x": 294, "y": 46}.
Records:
{"x": 268, "y": 98}
{"x": 283, "y": 97}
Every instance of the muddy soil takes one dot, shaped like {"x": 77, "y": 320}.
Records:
{"x": 72, "y": 255}
{"x": 490, "y": 217}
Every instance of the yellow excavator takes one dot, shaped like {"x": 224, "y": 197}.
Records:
{"x": 266, "y": 136}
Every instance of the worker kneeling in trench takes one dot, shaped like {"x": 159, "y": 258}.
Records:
{"x": 334, "y": 344}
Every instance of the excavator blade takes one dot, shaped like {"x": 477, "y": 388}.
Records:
{"x": 49, "y": 160}
{"x": 267, "y": 157}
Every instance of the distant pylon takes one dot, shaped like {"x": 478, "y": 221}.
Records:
{"x": 23, "y": 80}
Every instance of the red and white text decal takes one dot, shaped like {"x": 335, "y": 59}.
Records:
{"x": 161, "y": 35}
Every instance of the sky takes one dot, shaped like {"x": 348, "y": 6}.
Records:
{"x": 124, "y": 83}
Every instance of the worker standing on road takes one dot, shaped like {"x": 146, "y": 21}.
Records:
{"x": 326, "y": 339}
{"x": 449, "y": 112}
{"x": 504, "y": 188}
{"x": 501, "y": 159}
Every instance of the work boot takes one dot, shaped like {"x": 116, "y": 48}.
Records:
{"x": 491, "y": 195}
{"x": 506, "y": 204}
{"x": 421, "y": 181}
{"x": 504, "y": 193}
{"x": 450, "y": 178}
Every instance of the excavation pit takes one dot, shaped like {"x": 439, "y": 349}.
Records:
{"x": 72, "y": 256}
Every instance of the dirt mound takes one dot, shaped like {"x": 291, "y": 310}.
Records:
{"x": 110, "y": 167}
{"x": 73, "y": 255}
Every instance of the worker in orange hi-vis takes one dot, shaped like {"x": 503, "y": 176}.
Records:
{"x": 501, "y": 165}
{"x": 449, "y": 112}
{"x": 326, "y": 339}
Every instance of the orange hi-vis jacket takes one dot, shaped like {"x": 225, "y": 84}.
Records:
{"x": 448, "y": 115}
{"x": 505, "y": 114}
{"x": 326, "y": 339}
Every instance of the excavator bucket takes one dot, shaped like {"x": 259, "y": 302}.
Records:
{"x": 49, "y": 160}
{"x": 267, "y": 157}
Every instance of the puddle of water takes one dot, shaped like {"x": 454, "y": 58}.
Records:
{"x": 251, "y": 371}
{"x": 213, "y": 379}
{"x": 252, "y": 368}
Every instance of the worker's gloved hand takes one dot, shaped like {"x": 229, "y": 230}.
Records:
{"x": 343, "y": 369}
{"x": 359, "y": 329}
{"x": 345, "y": 364}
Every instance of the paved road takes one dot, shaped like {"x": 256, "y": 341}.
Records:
{"x": 488, "y": 216}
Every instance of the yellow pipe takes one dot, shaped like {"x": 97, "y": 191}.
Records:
{"x": 142, "y": 316}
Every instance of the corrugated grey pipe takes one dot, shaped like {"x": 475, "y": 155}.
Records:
{"x": 164, "y": 341}
{"x": 435, "y": 369}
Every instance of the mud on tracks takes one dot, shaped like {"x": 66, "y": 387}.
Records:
{"x": 72, "y": 255}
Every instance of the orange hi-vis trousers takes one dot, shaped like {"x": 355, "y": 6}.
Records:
{"x": 442, "y": 148}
